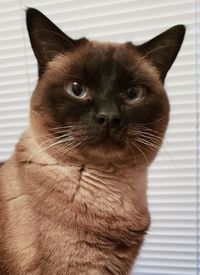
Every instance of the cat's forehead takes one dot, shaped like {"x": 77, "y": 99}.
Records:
{"x": 96, "y": 59}
{"x": 107, "y": 50}
{"x": 111, "y": 60}
{"x": 110, "y": 54}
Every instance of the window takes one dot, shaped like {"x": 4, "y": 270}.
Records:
{"x": 173, "y": 244}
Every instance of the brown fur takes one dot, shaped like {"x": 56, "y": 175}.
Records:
{"x": 67, "y": 219}
{"x": 82, "y": 211}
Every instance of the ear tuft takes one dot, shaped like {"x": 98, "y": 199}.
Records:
{"x": 162, "y": 50}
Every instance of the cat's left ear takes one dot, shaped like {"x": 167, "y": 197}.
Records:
{"x": 162, "y": 50}
{"x": 47, "y": 40}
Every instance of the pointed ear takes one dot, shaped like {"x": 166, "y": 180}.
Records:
{"x": 47, "y": 40}
{"x": 162, "y": 50}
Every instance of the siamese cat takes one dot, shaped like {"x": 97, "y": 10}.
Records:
{"x": 73, "y": 194}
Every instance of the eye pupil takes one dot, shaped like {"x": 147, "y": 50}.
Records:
{"x": 77, "y": 88}
{"x": 132, "y": 93}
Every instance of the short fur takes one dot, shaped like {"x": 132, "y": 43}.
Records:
{"x": 81, "y": 207}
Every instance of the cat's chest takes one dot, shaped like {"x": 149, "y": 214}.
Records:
{"x": 82, "y": 212}
{"x": 87, "y": 199}
{"x": 88, "y": 191}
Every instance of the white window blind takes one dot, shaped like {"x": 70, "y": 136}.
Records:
{"x": 172, "y": 246}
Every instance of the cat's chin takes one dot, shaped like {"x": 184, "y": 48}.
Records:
{"x": 116, "y": 153}
{"x": 103, "y": 153}
{"x": 108, "y": 153}
{"x": 108, "y": 145}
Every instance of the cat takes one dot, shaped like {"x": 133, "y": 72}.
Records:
{"x": 73, "y": 194}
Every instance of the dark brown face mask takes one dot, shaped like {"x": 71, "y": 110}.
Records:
{"x": 105, "y": 96}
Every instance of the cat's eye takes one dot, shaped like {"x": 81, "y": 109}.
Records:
{"x": 76, "y": 89}
{"x": 134, "y": 94}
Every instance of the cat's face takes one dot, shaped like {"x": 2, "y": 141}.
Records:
{"x": 102, "y": 102}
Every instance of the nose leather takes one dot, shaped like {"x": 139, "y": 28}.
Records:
{"x": 108, "y": 115}
{"x": 108, "y": 120}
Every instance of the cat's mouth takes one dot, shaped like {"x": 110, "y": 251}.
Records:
{"x": 138, "y": 143}
{"x": 108, "y": 138}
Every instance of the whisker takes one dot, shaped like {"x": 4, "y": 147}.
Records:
{"x": 47, "y": 147}
{"x": 151, "y": 138}
{"x": 140, "y": 150}
{"x": 63, "y": 127}
{"x": 149, "y": 144}
{"x": 63, "y": 148}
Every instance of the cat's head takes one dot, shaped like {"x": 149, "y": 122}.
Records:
{"x": 100, "y": 102}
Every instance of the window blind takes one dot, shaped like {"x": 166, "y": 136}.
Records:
{"x": 172, "y": 246}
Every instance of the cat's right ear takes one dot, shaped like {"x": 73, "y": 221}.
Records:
{"x": 47, "y": 40}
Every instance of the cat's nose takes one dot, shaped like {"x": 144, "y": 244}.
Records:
{"x": 108, "y": 120}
